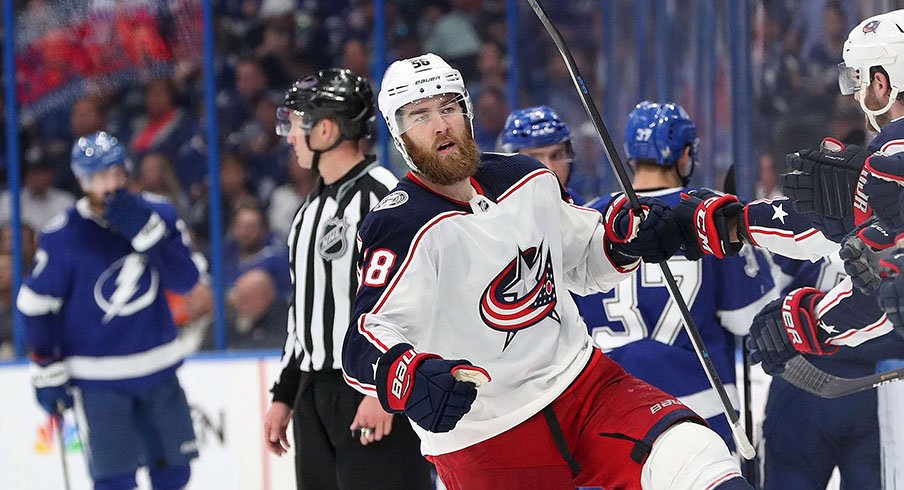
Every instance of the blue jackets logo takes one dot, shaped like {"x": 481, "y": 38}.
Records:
{"x": 522, "y": 295}
{"x": 126, "y": 287}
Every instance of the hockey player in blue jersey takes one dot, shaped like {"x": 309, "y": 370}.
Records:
{"x": 637, "y": 323}
{"x": 99, "y": 327}
{"x": 540, "y": 132}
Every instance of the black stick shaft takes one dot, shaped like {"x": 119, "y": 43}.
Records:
{"x": 744, "y": 446}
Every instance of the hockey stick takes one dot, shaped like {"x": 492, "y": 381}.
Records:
{"x": 57, "y": 420}
{"x": 806, "y": 376}
{"x": 744, "y": 446}
{"x": 750, "y": 464}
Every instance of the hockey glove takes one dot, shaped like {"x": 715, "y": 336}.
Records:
{"x": 885, "y": 185}
{"x": 51, "y": 382}
{"x": 891, "y": 292}
{"x": 133, "y": 219}
{"x": 861, "y": 252}
{"x": 654, "y": 238}
{"x": 786, "y": 327}
{"x": 823, "y": 181}
{"x": 705, "y": 219}
{"x": 423, "y": 386}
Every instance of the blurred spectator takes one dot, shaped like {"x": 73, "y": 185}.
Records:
{"x": 234, "y": 189}
{"x": 251, "y": 246}
{"x": 768, "y": 185}
{"x": 39, "y": 201}
{"x": 87, "y": 116}
{"x": 355, "y": 55}
{"x": 264, "y": 151}
{"x": 252, "y": 82}
{"x": 491, "y": 110}
{"x": 288, "y": 197}
{"x": 165, "y": 126}
{"x": 454, "y": 36}
{"x": 156, "y": 175}
{"x": 821, "y": 79}
{"x": 256, "y": 318}
{"x": 492, "y": 68}
{"x": 29, "y": 243}
{"x": 192, "y": 314}
{"x": 6, "y": 307}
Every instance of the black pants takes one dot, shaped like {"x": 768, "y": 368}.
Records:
{"x": 328, "y": 457}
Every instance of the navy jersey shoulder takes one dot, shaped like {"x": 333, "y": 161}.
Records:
{"x": 498, "y": 172}
{"x": 404, "y": 211}
{"x": 890, "y": 132}
{"x": 410, "y": 205}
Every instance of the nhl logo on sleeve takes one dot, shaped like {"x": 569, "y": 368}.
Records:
{"x": 333, "y": 238}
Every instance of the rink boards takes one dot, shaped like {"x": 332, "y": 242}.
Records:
{"x": 228, "y": 394}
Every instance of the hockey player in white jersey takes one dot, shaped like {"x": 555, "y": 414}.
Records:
{"x": 465, "y": 268}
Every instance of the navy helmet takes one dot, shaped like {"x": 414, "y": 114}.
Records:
{"x": 533, "y": 127}
{"x": 96, "y": 153}
{"x": 658, "y": 133}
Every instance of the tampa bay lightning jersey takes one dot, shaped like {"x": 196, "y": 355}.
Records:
{"x": 639, "y": 325}
{"x": 97, "y": 304}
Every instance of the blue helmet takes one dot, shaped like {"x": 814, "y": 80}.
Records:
{"x": 533, "y": 127}
{"x": 96, "y": 153}
{"x": 659, "y": 133}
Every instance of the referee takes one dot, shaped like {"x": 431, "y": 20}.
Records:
{"x": 343, "y": 440}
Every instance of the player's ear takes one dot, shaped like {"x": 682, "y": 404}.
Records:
{"x": 881, "y": 81}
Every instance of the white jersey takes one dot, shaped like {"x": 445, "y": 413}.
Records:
{"x": 486, "y": 281}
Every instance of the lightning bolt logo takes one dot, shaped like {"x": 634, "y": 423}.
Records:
{"x": 126, "y": 284}
{"x": 128, "y": 270}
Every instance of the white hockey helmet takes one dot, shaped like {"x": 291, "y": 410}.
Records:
{"x": 410, "y": 80}
{"x": 877, "y": 41}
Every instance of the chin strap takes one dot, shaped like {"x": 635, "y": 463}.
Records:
{"x": 871, "y": 114}
{"x": 315, "y": 161}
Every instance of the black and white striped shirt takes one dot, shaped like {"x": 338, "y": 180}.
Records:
{"x": 323, "y": 259}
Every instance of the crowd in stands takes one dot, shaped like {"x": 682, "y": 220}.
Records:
{"x": 263, "y": 45}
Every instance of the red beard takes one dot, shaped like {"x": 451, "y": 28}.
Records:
{"x": 449, "y": 169}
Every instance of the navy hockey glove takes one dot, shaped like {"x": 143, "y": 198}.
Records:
{"x": 891, "y": 292}
{"x": 786, "y": 327}
{"x": 423, "y": 386}
{"x": 861, "y": 252}
{"x": 823, "y": 181}
{"x": 705, "y": 220}
{"x": 654, "y": 238}
{"x": 51, "y": 383}
{"x": 884, "y": 187}
{"x": 133, "y": 219}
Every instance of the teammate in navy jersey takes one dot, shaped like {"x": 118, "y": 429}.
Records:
{"x": 540, "y": 132}
{"x": 799, "y": 450}
{"x": 100, "y": 329}
{"x": 827, "y": 200}
{"x": 464, "y": 272}
{"x": 637, "y": 324}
